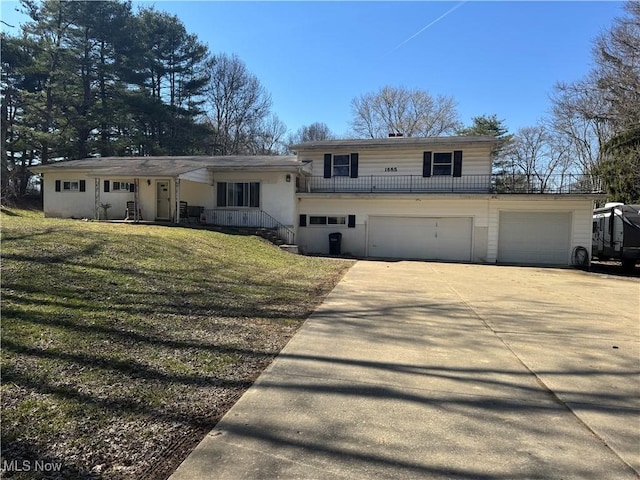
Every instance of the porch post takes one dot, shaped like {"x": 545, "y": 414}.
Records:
{"x": 96, "y": 203}
{"x": 136, "y": 203}
{"x": 177, "y": 181}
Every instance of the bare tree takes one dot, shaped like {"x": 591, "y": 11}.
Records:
{"x": 237, "y": 106}
{"x": 309, "y": 133}
{"x": 268, "y": 138}
{"x": 537, "y": 156}
{"x": 398, "y": 110}
{"x": 599, "y": 114}
{"x": 577, "y": 116}
{"x": 617, "y": 71}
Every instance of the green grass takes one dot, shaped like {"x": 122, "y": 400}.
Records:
{"x": 122, "y": 344}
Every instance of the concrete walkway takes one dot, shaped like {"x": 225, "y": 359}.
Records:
{"x": 432, "y": 370}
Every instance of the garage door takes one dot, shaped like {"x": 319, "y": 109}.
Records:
{"x": 419, "y": 237}
{"x": 534, "y": 237}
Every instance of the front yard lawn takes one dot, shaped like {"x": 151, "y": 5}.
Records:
{"x": 123, "y": 345}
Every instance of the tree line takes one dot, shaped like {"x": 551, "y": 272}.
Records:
{"x": 86, "y": 78}
{"x": 96, "y": 78}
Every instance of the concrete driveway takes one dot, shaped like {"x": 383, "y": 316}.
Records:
{"x": 434, "y": 370}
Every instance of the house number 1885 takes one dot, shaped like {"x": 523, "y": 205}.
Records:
{"x": 390, "y": 169}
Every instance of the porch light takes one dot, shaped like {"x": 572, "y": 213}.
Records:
{"x": 148, "y": 182}
{"x": 288, "y": 178}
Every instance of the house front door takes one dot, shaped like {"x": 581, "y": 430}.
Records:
{"x": 163, "y": 200}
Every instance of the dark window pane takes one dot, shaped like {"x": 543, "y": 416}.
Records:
{"x": 442, "y": 169}
{"x": 442, "y": 158}
{"x": 317, "y": 220}
{"x": 341, "y": 165}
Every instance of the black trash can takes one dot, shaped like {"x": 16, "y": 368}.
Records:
{"x": 335, "y": 243}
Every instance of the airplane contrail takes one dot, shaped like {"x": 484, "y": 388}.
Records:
{"x": 455, "y": 7}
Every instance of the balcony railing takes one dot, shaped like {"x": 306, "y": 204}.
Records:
{"x": 503, "y": 184}
{"x": 248, "y": 218}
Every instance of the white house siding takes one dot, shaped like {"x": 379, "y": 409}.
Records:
{"x": 475, "y": 159}
{"x": 314, "y": 239}
{"x": 277, "y": 196}
{"x": 73, "y": 204}
{"x": 196, "y": 193}
{"x": 201, "y": 175}
{"x": 118, "y": 199}
{"x": 579, "y": 208}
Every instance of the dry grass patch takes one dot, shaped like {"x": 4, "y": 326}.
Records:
{"x": 122, "y": 345}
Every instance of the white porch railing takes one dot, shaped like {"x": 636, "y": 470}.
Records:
{"x": 248, "y": 218}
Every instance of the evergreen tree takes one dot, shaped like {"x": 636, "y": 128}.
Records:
{"x": 492, "y": 126}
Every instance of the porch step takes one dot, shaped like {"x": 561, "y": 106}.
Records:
{"x": 270, "y": 234}
{"x": 290, "y": 248}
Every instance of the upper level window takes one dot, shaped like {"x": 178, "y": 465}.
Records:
{"x": 341, "y": 165}
{"x": 240, "y": 194}
{"x": 442, "y": 163}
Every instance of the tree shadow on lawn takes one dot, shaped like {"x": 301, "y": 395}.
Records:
{"x": 490, "y": 407}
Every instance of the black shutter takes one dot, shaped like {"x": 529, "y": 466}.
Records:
{"x": 457, "y": 163}
{"x": 303, "y": 221}
{"x": 254, "y": 194}
{"x": 83, "y": 185}
{"x": 327, "y": 165}
{"x": 426, "y": 164}
{"x": 354, "y": 165}
{"x": 58, "y": 185}
{"x": 107, "y": 186}
{"x": 352, "y": 221}
{"x": 222, "y": 194}
{"x": 132, "y": 187}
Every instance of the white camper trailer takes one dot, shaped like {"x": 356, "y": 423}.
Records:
{"x": 616, "y": 233}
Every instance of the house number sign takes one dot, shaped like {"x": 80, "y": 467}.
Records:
{"x": 390, "y": 169}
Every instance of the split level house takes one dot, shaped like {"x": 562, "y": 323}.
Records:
{"x": 398, "y": 197}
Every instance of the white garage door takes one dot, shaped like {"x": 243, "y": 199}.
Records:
{"x": 419, "y": 237}
{"x": 534, "y": 237}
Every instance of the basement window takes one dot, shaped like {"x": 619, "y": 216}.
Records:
{"x": 327, "y": 220}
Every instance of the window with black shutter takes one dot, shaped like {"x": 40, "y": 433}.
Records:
{"x": 352, "y": 221}
{"x": 58, "y": 185}
{"x": 83, "y": 185}
{"x": 107, "y": 186}
{"x": 303, "y": 221}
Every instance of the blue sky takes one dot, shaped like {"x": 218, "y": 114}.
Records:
{"x": 315, "y": 57}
